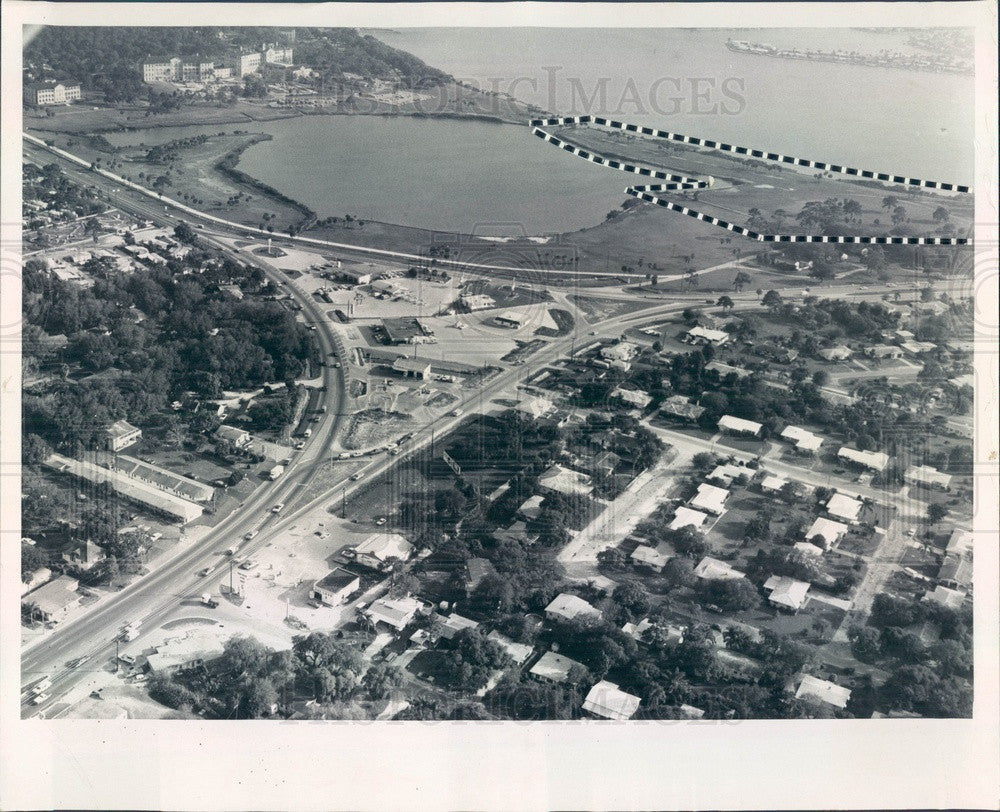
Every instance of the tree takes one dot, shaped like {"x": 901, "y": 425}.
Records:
{"x": 613, "y": 558}
{"x": 731, "y": 595}
{"x": 725, "y": 303}
{"x": 936, "y": 512}
{"x": 941, "y": 215}
{"x": 632, "y": 597}
{"x": 772, "y": 299}
{"x": 331, "y": 665}
{"x": 473, "y": 660}
{"x": 381, "y": 680}
{"x": 32, "y": 558}
{"x": 758, "y": 527}
{"x": 821, "y": 377}
{"x": 741, "y": 280}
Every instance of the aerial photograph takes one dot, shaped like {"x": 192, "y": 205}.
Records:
{"x": 497, "y": 374}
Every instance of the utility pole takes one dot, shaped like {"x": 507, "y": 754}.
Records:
{"x": 343, "y": 501}
{"x": 230, "y": 577}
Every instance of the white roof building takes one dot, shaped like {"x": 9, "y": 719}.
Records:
{"x": 875, "y": 460}
{"x": 960, "y": 542}
{"x": 518, "y": 652}
{"x": 739, "y": 426}
{"x": 803, "y": 440}
{"x": 807, "y": 548}
{"x": 786, "y": 592}
{"x": 926, "y": 475}
{"x": 917, "y": 347}
{"x": 453, "y": 624}
{"x": 633, "y": 397}
{"x": 710, "y": 499}
{"x": 394, "y": 612}
{"x": 535, "y": 407}
{"x": 532, "y": 507}
{"x": 378, "y": 548}
{"x": 705, "y": 335}
{"x": 686, "y": 517}
{"x": 570, "y": 607}
{"x": 727, "y": 472}
{"x": 950, "y": 598}
{"x": 838, "y": 353}
{"x": 827, "y": 529}
{"x": 652, "y": 557}
{"x": 622, "y": 351}
{"x": 823, "y": 690}
{"x": 771, "y": 483}
{"x": 844, "y": 507}
{"x": 711, "y": 569}
{"x": 185, "y": 652}
{"x": 553, "y": 667}
{"x": 637, "y": 630}
{"x": 609, "y": 702}
{"x": 564, "y": 481}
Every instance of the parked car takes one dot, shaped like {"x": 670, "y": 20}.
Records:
{"x": 278, "y": 507}
{"x": 250, "y": 534}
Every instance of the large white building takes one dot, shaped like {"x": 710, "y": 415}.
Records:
{"x": 177, "y": 69}
{"x": 46, "y": 93}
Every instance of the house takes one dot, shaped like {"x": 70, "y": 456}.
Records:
{"x": 184, "y": 652}
{"x": 637, "y": 630}
{"x": 682, "y": 407}
{"x": 772, "y": 484}
{"x": 376, "y": 551}
{"x": 928, "y": 477}
{"x": 727, "y": 369}
{"x": 233, "y": 291}
{"x": 238, "y": 437}
{"x": 691, "y": 712}
{"x": 873, "y": 460}
{"x": 604, "y": 464}
{"x": 686, "y": 517}
{"x": 805, "y": 442}
{"x": 531, "y": 509}
{"x": 652, "y": 557}
{"x": 476, "y": 301}
{"x": 711, "y": 569}
{"x": 35, "y": 580}
{"x": 448, "y": 626}
{"x": 786, "y": 593}
{"x": 335, "y": 588}
{"x": 623, "y": 351}
{"x": 945, "y": 596}
{"x": 121, "y": 434}
{"x": 960, "y": 542}
{"x": 554, "y": 667}
{"x": 806, "y": 548}
{"x": 704, "y": 335}
{"x": 823, "y": 690}
{"x": 566, "y": 606}
{"x": 737, "y": 425}
{"x": 933, "y": 308}
{"x": 633, "y": 397}
{"x": 956, "y": 572}
{"x": 517, "y": 533}
{"x": 844, "y": 507}
{"x": 535, "y": 407}
{"x": 607, "y": 701}
{"x": 564, "y": 481}
{"x": 918, "y": 347}
{"x": 710, "y": 498}
{"x": 727, "y": 472}
{"x": 419, "y": 368}
{"x": 838, "y": 353}
{"x": 54, "y": 600}
{"x": 476, "y": 570}
{"x": 518, "y": 652}
{"x": 394, "y": 612}
{"x": 882, "y": 351}
{"x": 825, "y": 532}
{"x": 85, "y": 555}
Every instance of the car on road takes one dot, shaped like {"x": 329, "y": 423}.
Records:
{"x": 42, "y": 686}
{"x": 278, "y": 507}
{"x": 76, "y": 663}
{"x": 232, "y": 550}
{"x": 248, "y": 565}
{"x": 336, "y": 364}
{"x": 380, "y": 521}
{"x": 250, "y": 534}
{"x": 300, "y": 445}
{"x": 355, "y": 477}
{"x": 128, "y": 659}
{"x": 38, "y": 700}
{"x": 456, "y": 412}
{"x": 204, "y": 571}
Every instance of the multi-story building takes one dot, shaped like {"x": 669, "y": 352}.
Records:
{"x": 45, "y": 93}
{"x": 277, "y": 55}
{"x": 176, "y": 69}
{"x": 243, "y": 64}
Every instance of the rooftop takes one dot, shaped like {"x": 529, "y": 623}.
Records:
{"x": 338, "y": 579}
{"x": 686, "y": 517}
{"x": 710, "y": 498}
{"x": 927, "y": 475}
{"x": 844, "y": 507}
{"x": 803, "y": 440}
{"x": 711, "y": 569}
{"x": 120, "y": 428}
{"x": 553, "y": 667}
{"x": 54, "y": 596}
{"x": 730, "y": 423}
{"x": 183, "y": 651}
{"x": 384, "y": 546}
{"x": 823, "y": 690}
{"x": 564, "y": 481}
{"x": 786, "y": 592}
{"x": 609, "y": 702}
{"x": 876, "y": 460}
{"x": 830, "y": 530}
{"x": 570, "y": 607}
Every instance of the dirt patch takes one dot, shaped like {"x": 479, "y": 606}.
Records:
{"x": 372, "y": 427}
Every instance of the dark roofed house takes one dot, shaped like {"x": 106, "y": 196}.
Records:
{"x": 335, "y": 588}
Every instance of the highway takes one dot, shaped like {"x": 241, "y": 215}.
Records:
{"x": 152, "y": 598}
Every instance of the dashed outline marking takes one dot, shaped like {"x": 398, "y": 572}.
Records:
{"x": 682, "y": 182}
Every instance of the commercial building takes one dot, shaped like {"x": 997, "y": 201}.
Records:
{"x": 476, "y": 301}
{"x": 703, "y": 335}
{"x": 874, "y": 460}
{"x": 177, "y": 69}
{"x": 928, "y": 477}
{"x": 148, "y": 496}
{"x": 335, "y": 588}
{"x": 535, "y": 407}
{"x": 185, "y": 652}
{"x": 162, "y": 478}
{"x": 566, "y": 606}
{"x": 405, "y": 331}
{"x": 53, "y": 601}
{"x": 622, "y": 351}
{"x": 824, "y": 691}
{"x": 121, "y": 434}
{"x": 419, "y": 368}
{"x": 737, "y": 425}
{"x": 606, "y": 701}
{"x": 46, "y": 93}
{"x": 376, "y": 551}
